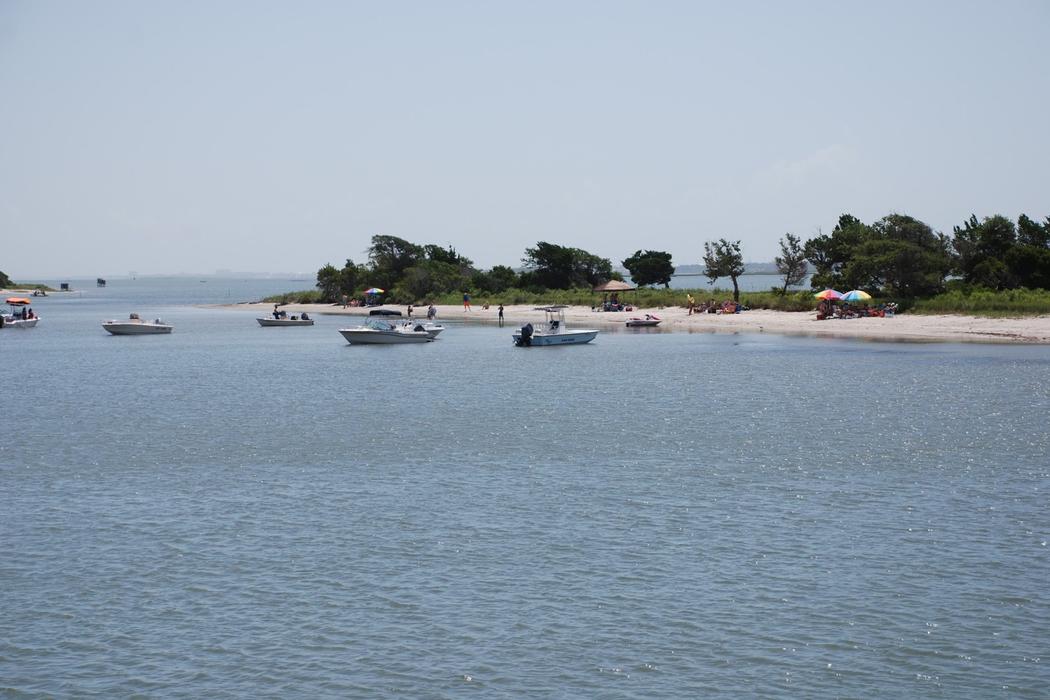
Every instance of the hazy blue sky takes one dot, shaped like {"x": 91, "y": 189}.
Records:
{"x": 279, "y": 136}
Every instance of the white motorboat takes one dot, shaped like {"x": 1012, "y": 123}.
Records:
{"x": 650, "y": 320}
{"x": 376, "y": 331}
{"x": 20, "y": 316}
{"x": 137, "y": 326}
{"x": 268, "y": 321}
{"x": 554, "y": 331}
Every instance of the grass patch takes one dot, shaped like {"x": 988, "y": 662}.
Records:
{"x": 31, "y": 285}
{"x": 306, "y": 296}
{"x": 977, "y": 301}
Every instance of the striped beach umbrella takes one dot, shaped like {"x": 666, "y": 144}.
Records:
{"x": 856, "y": 295}
{"x": 828, "y": 294}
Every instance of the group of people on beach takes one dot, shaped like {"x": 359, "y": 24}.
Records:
{"x": 826, "y": 309}
{"x": 713, "y": 307}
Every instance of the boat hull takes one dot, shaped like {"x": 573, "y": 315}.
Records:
{"x": 371, "y": 337}
{"x": 21, "y": 323}
{"x": 642, "y": 323}
{"x": 270, "y": 322}
{"x": 120, "y": 328}
{"x": 565, "y": 338}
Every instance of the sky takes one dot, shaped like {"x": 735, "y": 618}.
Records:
{"x": 195, "y": 136}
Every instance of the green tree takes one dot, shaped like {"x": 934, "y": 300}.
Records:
{"x": 558, "y": 267}
{"x": 791, "y": 263}
{"x": 447, "y": 255}
{"x": 650, "y": 267}
{"x": 830, "y": 254}
{"x": 1030, "y": 265}
{"x": 389, "y": 257}
{"x": 428, "y": 278}
{"x": 902, "y": 256}
{"x": 980, "y": 251}
{"x": 1032, "y": 233}
{"x": 5, "y": 281}
{"x": 496, "y": 280}
{"x": 334, "y": 283}
{"x": 723, "y": 258}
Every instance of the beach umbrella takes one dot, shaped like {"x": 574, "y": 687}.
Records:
{"x": 828, "y": 294}
{"x": 374, "y": 290}
{"x": 856, "y": 295}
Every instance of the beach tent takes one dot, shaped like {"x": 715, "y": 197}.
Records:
{"x": 611, "y": 289}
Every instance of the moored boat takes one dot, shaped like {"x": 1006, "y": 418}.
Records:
{"x": 553, "y": 331}
{"x": 21, "y": 314}
{"x": 270, "y": 321}
{"x": 650, "y": 320}
{"x": 376, "y": 331}
{"x": 137, "y": 326}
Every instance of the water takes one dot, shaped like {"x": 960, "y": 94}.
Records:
{"x": 747, "y": 283}
{"x": 232, "y": 511}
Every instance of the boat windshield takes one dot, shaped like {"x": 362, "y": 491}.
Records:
{"x": 378, "y": 325}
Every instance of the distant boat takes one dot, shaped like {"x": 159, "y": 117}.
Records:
{"x": 554, "y": 331}
{"x": 100, "y": 282}
{"x": 136, "y": 326}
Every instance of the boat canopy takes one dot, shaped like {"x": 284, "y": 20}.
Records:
{"x": 551, "y": 309}
{"x": 18, "y": 301}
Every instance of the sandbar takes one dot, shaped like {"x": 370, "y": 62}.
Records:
{"x": 900, "y": 328}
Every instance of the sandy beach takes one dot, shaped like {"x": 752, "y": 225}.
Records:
{"x": 903, "y": 327}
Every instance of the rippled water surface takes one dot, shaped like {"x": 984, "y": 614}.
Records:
{"x": 232, "y": 511}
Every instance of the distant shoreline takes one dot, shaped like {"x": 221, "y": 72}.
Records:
{"x": 902, "y": 328}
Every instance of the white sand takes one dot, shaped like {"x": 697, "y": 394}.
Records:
{"x": 903, "y": 327}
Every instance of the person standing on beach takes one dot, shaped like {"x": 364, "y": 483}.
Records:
{"x": 410, "y": 311}
{"x": 691, "y": 303}
{"x": 466, "y": 301}
{"x": 500, "y": 310}
{"x": 431, "y": 313}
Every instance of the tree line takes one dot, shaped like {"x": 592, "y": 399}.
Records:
{"x": 898, "y": 255}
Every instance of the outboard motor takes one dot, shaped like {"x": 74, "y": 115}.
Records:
{"x": 526, "y": 336}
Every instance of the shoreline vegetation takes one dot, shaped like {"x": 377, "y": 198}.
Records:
{"x": 987, "y": 268}
{"x": 960, "y": 300}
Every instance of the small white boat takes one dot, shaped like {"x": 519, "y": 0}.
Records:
{"x": 649, "y": 321}
{"x": 379, "y": 332}
{"x": 554, "y": 331}
{"x": 268, "y": 321}
{"x": 136, "y": 326}
{"x": 20, "y": 316}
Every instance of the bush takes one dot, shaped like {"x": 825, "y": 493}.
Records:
{"x": 306, "y": 296}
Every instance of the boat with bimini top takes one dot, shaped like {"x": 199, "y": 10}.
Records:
{"x": 21, "y": 314}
